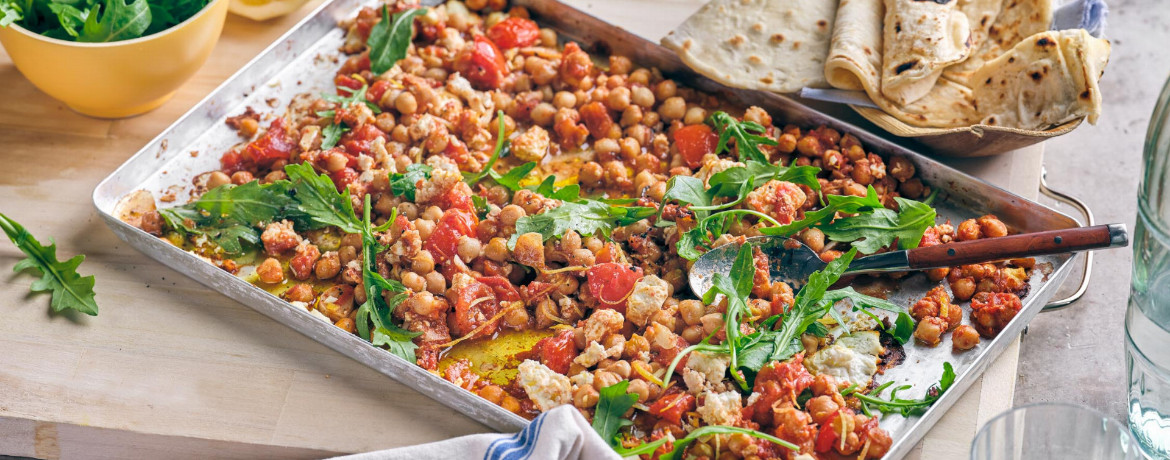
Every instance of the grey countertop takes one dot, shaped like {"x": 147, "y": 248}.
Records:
{"x": 1077, "y": 354}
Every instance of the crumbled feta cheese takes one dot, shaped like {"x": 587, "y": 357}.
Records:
{"x": 582, "y": 378}
{"x": 602, "y": 323}
{"x": 532, "y": 145}
{"x": 852, "y": 359}
{"x": 705, "y": 371}
{"x": 591, "y": 355}
{"x": 712, "y": 166}
{"x": 721, "y": 408}
{"x": 444, "y": 176}
{"x": 646, "y": 299}
{"x": 547, "y": 388}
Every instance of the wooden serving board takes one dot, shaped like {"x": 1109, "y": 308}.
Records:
{"x": 171, "y": 369}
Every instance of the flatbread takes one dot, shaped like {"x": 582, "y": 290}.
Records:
{"x": 1019, "y": 19}
{"x": 770, "y": 45}
{"x": 920, "y": 38}
{"x": 1045, "y": 80}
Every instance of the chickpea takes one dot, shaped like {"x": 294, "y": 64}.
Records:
{"x": 548, "y": 37}
{"x": 510, "y": 214}
{"x": 786, "y": 143}
{"x": 432, "y": 213}
{"x": 912, "y": 188}
{"x": 591, "y": 174}
{"x": 641, "y": 95}
{"x": 616, "y": 174}
{"x": 991, "y": 227}
{"x": 414, "y": 282}
{"x": 564, "y": 100}
{"x": 270, "y": 271}
{"x": 901, "y": 168}
{"x": 516, "y": 318}
{"x": 821, "y": 407}
{"x": 929, "y": 331}
{"x": 602, "y": 379}
{"x": 861, "y": 172}
{"x": 299, "y": 293}
{"x": 964, "y": 338}
{"x": 423, "y": 262}
{"x": 436, "y": 284}
{"x": 408, "y": 210}
{"x": 814, "y": 238}
{"x": 582, "y": 257}
{"x": 405, "y": 103}
{"x": 543, "y": 114}
{"x": 666, "y": 89}
{"x": 693, "y": 333}
{"x": 691, "y": 311}
{"x": 606, "y": 148}
{"x": 497, "y": 249}
{"x": 242, "y": 177}
{"x": 328, "y": 265}
{"x": 217, "y": 178}
{"x": 810, "y": 147}
{"x": 618, "y": 98}
{"x": 585, "y": 397}
{"x": 424, "y": 227}
{"x": 855, "y": 189}
{"x": 468, "y": 249}
{"x": 825, "y": 384}
{"x": 492, "y": 393}
{"x": 673, "y": 108}
{"x": 476, "y": 4}
{"x": 620, "y": 65}
{"x": 695, "y": 115}
{"x": 757, "y": 115}
{"x": 969, "y": 230}
{"x": 511, "y": 404}
{"x": 639, "y": 77}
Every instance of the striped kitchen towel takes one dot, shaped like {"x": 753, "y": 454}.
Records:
{"x": 561, "y": 433}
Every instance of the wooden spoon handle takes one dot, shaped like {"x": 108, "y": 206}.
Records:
{"x": 1016, "y": 246}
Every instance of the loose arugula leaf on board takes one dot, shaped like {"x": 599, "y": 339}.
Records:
{"x": 406, "y": 184}
{"x": 319, "y": 199}
{"x": 390, "y": 38}
{"x": 612, "y": 404}
{"x": 747, "y": 135}
{"x": 68, "y": 289}
{"x": 905, "y": 407}
{"x": 116, "y": 20}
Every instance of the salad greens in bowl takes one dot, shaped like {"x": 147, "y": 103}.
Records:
{"x": 96, "y": 21}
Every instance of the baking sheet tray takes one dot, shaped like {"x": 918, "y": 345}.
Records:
{"x": 304, "y": 60}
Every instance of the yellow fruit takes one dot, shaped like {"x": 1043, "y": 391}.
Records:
{"x": 260, "y": 10}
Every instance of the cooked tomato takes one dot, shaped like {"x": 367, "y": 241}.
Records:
{"x": 377, "y": 90}
{"x": 575, "y": 64}
{"x": 693, "y": 142}
{"x": 453, "y": 224}
{"x": 475, "y": 303}
{"x": 358, "y": 140}
{"x": 557, "y": 352}
{"x": 231, "y": 162}
{"x": 502, "y": 287}
{"x": 346, "y": 81}
{"x": 611, "y": 283}
{"x": 672, "y": 407}
{"x": 827, "y": 436}
{"x": 456, "y": 199}
{"x": 596, "y": 118}
{"x": 514, "y": 32}
{"x": 482, "y": 64}
{"x": 457, "y": 151}
{"x": 274, "y": 145}
{"x": 365, "y": 21}
{"x": 343, "y": 178}
{"x": 355, "y": 64}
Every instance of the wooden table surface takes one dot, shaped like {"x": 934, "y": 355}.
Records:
{"x": 172, "y": 369}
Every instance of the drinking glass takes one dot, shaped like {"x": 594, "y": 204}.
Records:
{"x": 1051, "y": 431}
{"x": 1147, "y": 318}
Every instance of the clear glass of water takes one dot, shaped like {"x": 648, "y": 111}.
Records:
{"x": 1050, "y": 431}
{"x": 1147, "y": 319}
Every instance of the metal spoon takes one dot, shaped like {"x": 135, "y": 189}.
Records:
{"x": 791, "y": 261}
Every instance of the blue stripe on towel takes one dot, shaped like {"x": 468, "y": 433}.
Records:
{"x": 518, "y": 446}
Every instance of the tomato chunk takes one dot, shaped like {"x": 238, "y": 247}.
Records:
{"x": 453, "y": 224}
{"x": 346, "y": 81}
{"x": 274, "y": 145}
{"x": 611, "y": 283}
{"x": 597, "y": 119}
{"x": 514, "y": 32}
{"x": 475, "y": 304}
{"x": 827, "y": 436}
{"x": 482, "y": 64}
{"x": 231, "y": 162}
{"x": 360, "y": 139}
{"x": 672, "y": 407}
{"x": 693, "y": 142}
{"x": 377, "y": 90}
{"x": 557, "y": 352}
{"x": 502, "y": 287}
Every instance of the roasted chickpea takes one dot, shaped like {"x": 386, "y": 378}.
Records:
{"x": 582, "y": 257}
{"x": 821, "y": 407}
{"x": 497, "y": 249}
{"x": 242, "y": 177}
{"x": 405, "y": 103}
{"x": 618, "y": 98}
{"x": 964, "y": 338}
{"x": 327, "y": 266}
{"x": 548, "y": 37}
{"x": 673, "y": 108}
{"x": 585, "y": 397}
{"x": 270, "y": 271}
{"x": 217, "y": 178}
{"x": 929, "y": 331}
{"x": 510, "y": 214}
{"x": 814, "y": 238}
{"x": 640, "y": 388}
{"x": 694, "y": 115}
{"x": 564, "y": 100}
{"x": 424, "y": 227}
{"x": 666, "y": 89}
{"x": 991, "y": 227}
{"x": 969, "y": 230}
{"x": 414, "y": 281}
{"x": 436, "y": 284}
{"x": 299, "y": 293}
{"x": 423, "y": 262}
{"x": 810, "y": 146}
{"x": 543, "y": 114}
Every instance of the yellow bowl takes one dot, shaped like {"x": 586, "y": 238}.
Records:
{"x": 116, "y": 79}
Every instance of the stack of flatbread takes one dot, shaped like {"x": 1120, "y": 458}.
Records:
{"x": 928, "y": 63}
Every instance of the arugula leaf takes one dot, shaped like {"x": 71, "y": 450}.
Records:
{"x": 680, "y": 445}
{"x": 331, "y": 134}
{"x": 586, "y": 217}
{"x": 117, "y": 20}
{"x": 389, "y": 39}
{"x": 903, "y": 326}
{"x": 9, "y": 13}
{"x": 376, "y": 309}
{"x": 512, "y": 178}
{"x": 872, "y": 232}
{"x": 405, "y": 184}
{"x": 612, "y": 404}
{"x": 736, "y": 286}
{"x": 500, "y": 151}
{"x": 318, "y": 198}
{"x": 906, "y": 407}
{"x": 168, "y": 13}
{"x": 68, "y": 289}
{"x": 69, "y": 16}
{"x": 229, "y": 215}
{"x": 704, "y": 233}
{"x": 747, "y": 136}
{"x": 835, "y": 203}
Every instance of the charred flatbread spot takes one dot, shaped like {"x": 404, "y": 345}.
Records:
{"x": 777, "y": 38}
{"x": 1036, "y": 76}
{"x": 898, "y": 27}
{"x": 983, "y": 21}
{"x": 767, "y": 80}
{"x": 687, "y": 44}
{"x": 867, "y": 51}
{"x": 755, "y": 59}
{"x": 991, "y": 120}
{"x": 1044, "y": 42}
{"x": 988, "y": 82}
{"x": 1085, "y": 94}
{"x": 822, "y": 23}
{"x": 737, "y": 40}
{"x": 940, "y": 2}
{"x": 795, "y": 45}
{"x": 1011, "y": 60}
{"x": 757, "y": 27}
{"x": 905, "y": 66}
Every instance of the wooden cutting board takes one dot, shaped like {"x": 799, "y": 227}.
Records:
{"x": 172, "y": 369}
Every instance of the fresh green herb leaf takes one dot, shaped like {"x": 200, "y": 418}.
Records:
{"x": 169, "y": 13}
{"x": 70, "y": 17}
{"x": 9, "y": 13}
{"x": 229, "y": 215}
{"x": 332, "y": 134}
{"x": 500, "y": 151}
{"x": 376, "y": 310}
{"x": 694, "y": 242}
{"x": 406, "y": 184}
{"x": 906, "y": 407}
{"x": 512, "y": 178}
{"x": 835, "y": 204}
{"x": 747, "y": 135}
{"x": 356, "y": 96}
{"x": 871, "y": 232}
{"x": 389, "y": 39}
{"x": 319, "y": 199}
{"x": 586, "y": 217}
{"x": 481, "y": 206}
{"x": 681, "y": 445}
{"x": 115, "y": 21}
{"x": 69, "y": 290}
{"x": 612, "y": 404}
